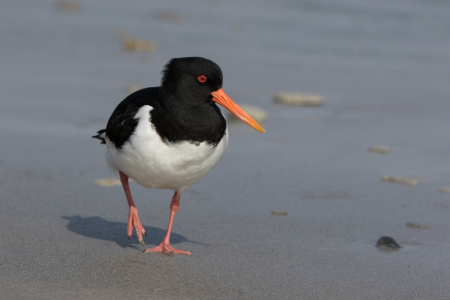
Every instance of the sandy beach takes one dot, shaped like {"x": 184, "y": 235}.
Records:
{"x": 382, "y": 69}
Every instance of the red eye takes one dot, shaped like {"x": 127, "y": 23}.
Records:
{"x": 202, "y": 78}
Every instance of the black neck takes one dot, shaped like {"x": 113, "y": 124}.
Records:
{"x": 180, "y": 119}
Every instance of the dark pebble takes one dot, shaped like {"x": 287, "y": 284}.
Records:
{"x": 386, "y": 242}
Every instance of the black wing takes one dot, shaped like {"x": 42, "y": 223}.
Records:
{"x": 122, "y": 123}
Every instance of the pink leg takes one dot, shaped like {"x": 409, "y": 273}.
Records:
{"x": 165, "y": 246}
{"x": 133, "y": 219}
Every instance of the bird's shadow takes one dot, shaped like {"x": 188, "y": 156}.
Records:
{"x": 99, "y": 228}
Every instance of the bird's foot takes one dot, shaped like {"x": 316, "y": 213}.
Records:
{"x": 133, "y": 221}
{"x": 167, "y": 249}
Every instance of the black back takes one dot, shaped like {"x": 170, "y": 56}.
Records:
{"x": 183, "y": 109}
{"x": 122, "y": 123}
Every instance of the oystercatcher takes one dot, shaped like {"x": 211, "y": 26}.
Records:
{"x": 169, "y": 137}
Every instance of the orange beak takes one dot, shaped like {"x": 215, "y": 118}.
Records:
{"x": 221, "y": 98}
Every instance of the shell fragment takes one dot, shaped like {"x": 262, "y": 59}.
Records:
{"x": 298, "y": 99}
{"x": 138, "y": 45}
{"x": 403, "y": 180}
{"x": 380, "y": 149}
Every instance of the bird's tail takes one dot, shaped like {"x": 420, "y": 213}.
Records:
{"x": 100, "y": 136}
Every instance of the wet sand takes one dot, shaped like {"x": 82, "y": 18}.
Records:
{"x": 382, "y": 69}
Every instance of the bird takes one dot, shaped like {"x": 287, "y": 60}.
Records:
{"x": 171, "y": 136}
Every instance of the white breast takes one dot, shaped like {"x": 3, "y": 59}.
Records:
{"x": 155, "y": 164}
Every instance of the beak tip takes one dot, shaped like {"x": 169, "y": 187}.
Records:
{"x": 221, "y": 98}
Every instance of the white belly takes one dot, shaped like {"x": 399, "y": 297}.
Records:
{"x": 155, "y": 164}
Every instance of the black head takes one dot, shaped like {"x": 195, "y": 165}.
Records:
{"x": 190, "y": 89}
{"x": 191, "y": 79}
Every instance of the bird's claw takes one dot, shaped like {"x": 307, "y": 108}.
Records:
{"x": 133, "y": 221}
{"x": 167, "y": 249}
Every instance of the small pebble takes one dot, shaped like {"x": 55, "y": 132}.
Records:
{"x": 279, "y": 213}
{"x": 380, "y": 149}
{"x": 71, "y": 6}
{"x": 444, "y": 190}
{"x": 403, "y": 180}
{"x": 387, "y": 243}
{"x": 298, "y": 99}
{"x": 258, "y": 114}
{"x": 417, "y": 225}
{"x": 138, "y": 45}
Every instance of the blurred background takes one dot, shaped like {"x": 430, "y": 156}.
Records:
{"x": 382, "y": 69}
{"x": 352, "y": 52}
